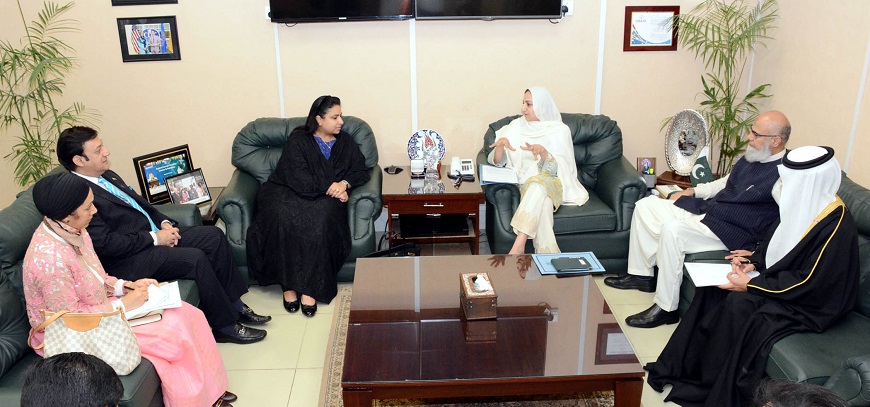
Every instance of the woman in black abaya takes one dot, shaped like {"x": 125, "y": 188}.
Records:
{"x": 300, "y": 237}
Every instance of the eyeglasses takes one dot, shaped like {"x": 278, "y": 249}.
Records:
{"x": 754, "y": 133}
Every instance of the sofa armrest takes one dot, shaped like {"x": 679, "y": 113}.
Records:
{"x": 852, "y": 381}
{"x": 184, "y": 214}
{"x": 620, "y": 186}
{"x": 364, "y": 206}
{"x": 237, "y": 204}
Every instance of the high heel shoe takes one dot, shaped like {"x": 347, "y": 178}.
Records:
{"x": 291, "y": 306}
{"x": 309, "y": 310}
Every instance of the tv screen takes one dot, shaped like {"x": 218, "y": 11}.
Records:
{"x": 487, "y": 9}
{"x": 313, "y": 11}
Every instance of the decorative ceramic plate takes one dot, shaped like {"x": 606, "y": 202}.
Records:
{"x": 686, "y": 136}
{"x": 423, "y": 139}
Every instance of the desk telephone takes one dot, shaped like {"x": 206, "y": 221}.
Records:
{"x": 463, "y": 166}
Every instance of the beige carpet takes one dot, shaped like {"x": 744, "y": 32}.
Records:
{"x": 330, "y": 391}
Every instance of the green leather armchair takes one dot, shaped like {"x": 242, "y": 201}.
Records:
{"x": 614, "y": 185}
{"x": 838, "y": 358}
{"x": 256, "y": 150}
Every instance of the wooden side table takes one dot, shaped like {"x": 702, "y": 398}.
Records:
{"x": 210, "y": 217}
{"x": 671, "y": 178}
{"x": 402, "y": 197}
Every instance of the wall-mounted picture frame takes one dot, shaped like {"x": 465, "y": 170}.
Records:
{"x": 149, "y": 39}
{"x": 141, "y": 2}
{"x": 153, "y": 169}
{"x": 650, "y": 28}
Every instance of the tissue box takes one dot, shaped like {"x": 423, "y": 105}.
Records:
{"x": 476, "y": 304}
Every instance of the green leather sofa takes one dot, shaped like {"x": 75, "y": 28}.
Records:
{"x": 838, "y": 358}
{"x": 614, "y": 185}
{"x": 17, "y": 223}
{"x": 256, "y": 150}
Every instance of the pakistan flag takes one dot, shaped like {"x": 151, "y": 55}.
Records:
{"x": 701, "y": 171}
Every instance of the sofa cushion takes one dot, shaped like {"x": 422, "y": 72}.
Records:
{"x": 813, "y": 357}
{"x": 593, "y": 216}
{"x": 258, "y": 146}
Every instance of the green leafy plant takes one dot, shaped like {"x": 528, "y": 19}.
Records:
{"x": 32, "y": 77}
{"x": 724, "y": 34}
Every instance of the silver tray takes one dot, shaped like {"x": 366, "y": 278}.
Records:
{"x": 686, "y": 136}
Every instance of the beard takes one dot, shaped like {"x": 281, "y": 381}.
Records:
{"x": 755, "y": 155}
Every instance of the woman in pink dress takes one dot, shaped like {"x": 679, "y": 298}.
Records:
{"x": 62, "y": 272}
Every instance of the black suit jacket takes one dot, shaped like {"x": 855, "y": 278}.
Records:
{"x": 118, "y": 230}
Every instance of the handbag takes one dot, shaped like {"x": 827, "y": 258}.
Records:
{"x": 402, "y": 250}
{"x": 105, "y": 335}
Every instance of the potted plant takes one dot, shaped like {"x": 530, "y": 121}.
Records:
{"x": 724, "y": 34}
{"x": 32, "y": 77}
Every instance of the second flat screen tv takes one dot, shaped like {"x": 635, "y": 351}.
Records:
{"x": 313, "y": 11}
{"x": 487, "y": 9}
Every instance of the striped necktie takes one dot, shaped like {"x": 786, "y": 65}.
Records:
{"x": 126, "y": 198}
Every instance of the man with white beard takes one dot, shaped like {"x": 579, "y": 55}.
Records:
{"x": 731, "y": 213}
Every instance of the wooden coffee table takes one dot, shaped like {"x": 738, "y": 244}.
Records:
{"x": 408, "y": 338}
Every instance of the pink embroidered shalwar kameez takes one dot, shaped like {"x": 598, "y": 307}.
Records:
{"x": 180, "y": 346}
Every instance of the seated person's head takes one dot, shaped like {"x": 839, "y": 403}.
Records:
{"x": 80, "y": 149}
{"x": 66, "y": 198}
{"x": 71, "y": 379}
{"x": 767, "y": 136}
{"x": 775, "y": 393}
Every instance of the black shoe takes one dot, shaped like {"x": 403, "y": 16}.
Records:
{"x": 309, "y": 310}
{"x": 229, "y": 397}
{"x": 291, "y": 306}
{"x": 248, "y": 316}
{"x": 241, "y": 335}
{"x": 629, "y": 282}
{"x": 653, "y": 317}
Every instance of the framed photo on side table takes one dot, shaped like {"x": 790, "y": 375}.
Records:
{"x": 188, "y": 187}
{"x": 153, "y": 169}
{"x": 650, "y": 28}
{"x": 149, "y": 39}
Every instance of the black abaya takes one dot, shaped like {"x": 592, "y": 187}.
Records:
{"x": 717, "y": 355}
{"x": 300, "y": 237}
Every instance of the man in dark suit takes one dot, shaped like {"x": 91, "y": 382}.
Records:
{"x": 134, "y": 240}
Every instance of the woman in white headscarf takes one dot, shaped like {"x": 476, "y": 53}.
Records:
{"x": 539, "y": 148}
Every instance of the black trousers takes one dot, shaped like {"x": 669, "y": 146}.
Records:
{"x": 202, "y": 255}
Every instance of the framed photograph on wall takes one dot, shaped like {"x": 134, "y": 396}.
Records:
{"x": 141, "y": 2}
{"x": 153, "y": 169}
{"x": 149, "y": 39}
{"x": 650, "y": 28}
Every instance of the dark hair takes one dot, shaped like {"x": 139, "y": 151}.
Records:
{"x": 71, "y": 379}
{"x": 778, "y": 393}
{"x": 320, "y": 106}
{"x": 72, "y": 143}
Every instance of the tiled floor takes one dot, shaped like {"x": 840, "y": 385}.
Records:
{"x": 286, "y": 368}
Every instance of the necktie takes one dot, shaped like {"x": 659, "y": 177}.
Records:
{"x": 126, "y": 198}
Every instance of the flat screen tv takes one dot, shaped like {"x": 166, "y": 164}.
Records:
{"x": 315, "y": 11}
{"x": 487, "y": 9}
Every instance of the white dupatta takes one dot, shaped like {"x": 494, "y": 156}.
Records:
{"x": 551, "y": 133}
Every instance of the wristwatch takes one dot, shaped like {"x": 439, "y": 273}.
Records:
{"x": 346, "y": 184}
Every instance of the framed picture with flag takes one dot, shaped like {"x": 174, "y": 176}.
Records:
{"x": 149, "y": 39}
